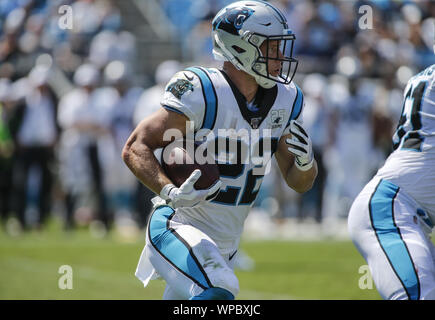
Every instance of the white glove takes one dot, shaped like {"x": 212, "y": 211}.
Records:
{"x": 300, "y": 145}
{"x": 186, "y": 195}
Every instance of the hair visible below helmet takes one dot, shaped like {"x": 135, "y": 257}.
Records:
{"x": 241, "y": 28}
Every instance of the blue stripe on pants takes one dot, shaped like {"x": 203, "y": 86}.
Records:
{"x": 174, "y": 248}
{"x": 390, "y": 239}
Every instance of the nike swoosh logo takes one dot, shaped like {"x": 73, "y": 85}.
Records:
{"x": 190, "y": 79}
{"x": 266, "y": 24}
{"x": 231, "y": 256}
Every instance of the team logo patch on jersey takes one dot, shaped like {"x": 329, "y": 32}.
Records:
{"x": 277, "y": 118}
{"x": 179, "y": 87}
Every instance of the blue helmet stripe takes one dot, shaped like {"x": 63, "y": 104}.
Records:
{"x": 284, "y": 20}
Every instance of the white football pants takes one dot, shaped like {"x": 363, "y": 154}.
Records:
{"x": 185, "y": 257}
{"x": 392, "y": 234}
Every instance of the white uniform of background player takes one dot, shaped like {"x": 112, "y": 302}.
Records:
{"x": 192, "y": 248}
{"x": 391, "y": 219}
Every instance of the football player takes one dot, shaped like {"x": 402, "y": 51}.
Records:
{"x": 391, "y": 220}
{"x": 193, "y": 235}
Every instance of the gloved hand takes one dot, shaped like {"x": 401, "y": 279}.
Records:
{"x": 186, "y": 195}
{"x": 301, "y": 146}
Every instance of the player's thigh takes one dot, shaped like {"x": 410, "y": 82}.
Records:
{"x": 385, "y": 230}
{"x": 364, "y": 238}
{"x": 420, "y": 250}
{"x": 185, "y": 257}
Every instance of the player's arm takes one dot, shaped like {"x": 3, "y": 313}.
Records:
{"x": 138, "y": 152}
{"x": 299, "y": 174}
{"x": 183, "y": 101}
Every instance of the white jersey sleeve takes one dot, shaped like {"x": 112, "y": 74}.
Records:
{"x": 184, "y": 94}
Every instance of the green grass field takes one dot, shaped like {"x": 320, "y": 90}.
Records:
{"x": 104, "y": 268}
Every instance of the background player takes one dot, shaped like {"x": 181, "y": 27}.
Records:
{"x": 191, "y": 247}
{"x": 391, "y": 219}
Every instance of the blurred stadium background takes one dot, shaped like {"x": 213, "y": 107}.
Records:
{"x": 77, "y": 76}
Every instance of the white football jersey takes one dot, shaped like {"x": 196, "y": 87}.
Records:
{"x": 210, "y": 99}
{"x": 412, "y": 164}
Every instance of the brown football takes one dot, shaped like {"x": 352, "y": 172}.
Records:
{"x": 179, "y": 161}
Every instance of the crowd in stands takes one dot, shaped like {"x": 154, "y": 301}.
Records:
{"x": 67, "y": 101}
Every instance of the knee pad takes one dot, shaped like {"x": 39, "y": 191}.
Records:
{"x": 224, "y": 278}
{"x": 214, "y": 294}
{"x": 217, "y": 269}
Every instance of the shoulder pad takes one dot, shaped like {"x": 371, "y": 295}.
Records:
{"x": 183, "y": 94}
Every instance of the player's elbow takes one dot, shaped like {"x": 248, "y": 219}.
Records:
{"x": 128, "y": 150}
{"x": 126, "y": 154}
{"x": 134, "y": 150}
{"x": 303, "y": 186}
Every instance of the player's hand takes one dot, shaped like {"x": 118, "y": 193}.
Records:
{"x": 186, "y": 195}
{"x": 301, "y": 146}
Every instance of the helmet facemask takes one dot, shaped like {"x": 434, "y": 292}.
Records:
{"x": 284, "y": 54}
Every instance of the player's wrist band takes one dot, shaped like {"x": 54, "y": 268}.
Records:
{"x": 306, "y": 166}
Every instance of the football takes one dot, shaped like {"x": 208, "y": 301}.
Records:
{"x": 179, "y": 161}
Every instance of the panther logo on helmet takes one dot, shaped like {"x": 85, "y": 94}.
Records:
{"x": 232, "y": 20}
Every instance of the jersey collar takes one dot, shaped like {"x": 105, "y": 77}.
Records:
{"x": 264, "y": 100}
